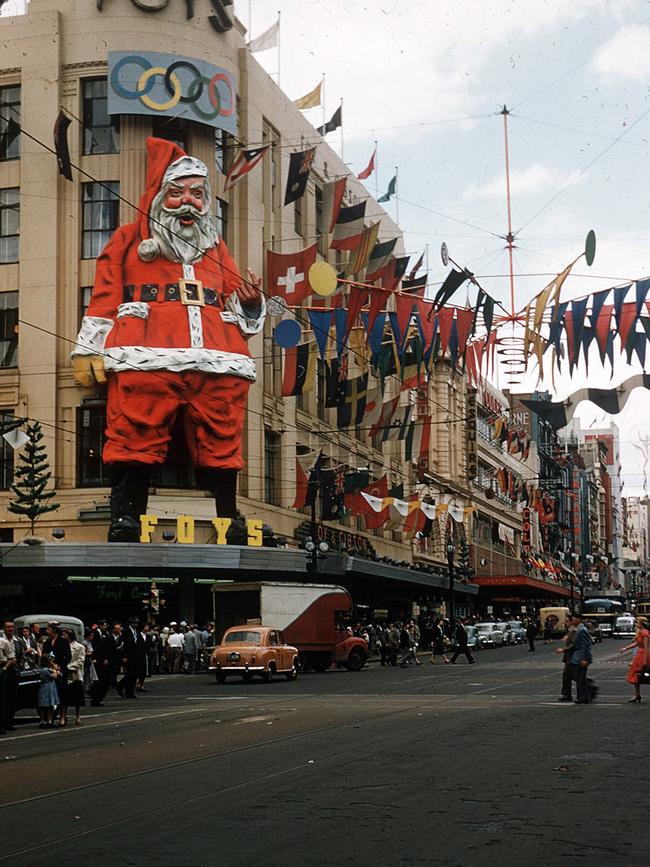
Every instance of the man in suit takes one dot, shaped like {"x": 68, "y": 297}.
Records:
{"x": 11, "y": 668}
{"x": 133, "y": 649}
{"x": 581, "y": 659}
{"x": 461, "y": 643}
{"x": 103, "y": 653}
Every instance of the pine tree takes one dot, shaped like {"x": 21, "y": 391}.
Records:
{"x": 32, "y": 475}
{"x": 465, "y": 568}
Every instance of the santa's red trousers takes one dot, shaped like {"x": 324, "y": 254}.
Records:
{"x": 142, "y": 408}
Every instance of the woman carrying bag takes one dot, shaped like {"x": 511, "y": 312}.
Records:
{"x": 641, "y": 658}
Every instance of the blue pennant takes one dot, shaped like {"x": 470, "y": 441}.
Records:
{"x": 321, "y": 322}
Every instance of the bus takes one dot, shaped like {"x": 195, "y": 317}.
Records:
{"x": 603, "y": 612}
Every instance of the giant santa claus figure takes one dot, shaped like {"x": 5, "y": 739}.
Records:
{"x": 167, "y": 328}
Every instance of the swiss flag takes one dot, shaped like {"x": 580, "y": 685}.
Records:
{"x": 287, "y": 274}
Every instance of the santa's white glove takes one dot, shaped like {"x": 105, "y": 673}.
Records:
{"x": 88, "y": 370}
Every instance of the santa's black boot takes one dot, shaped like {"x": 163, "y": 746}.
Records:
{"x": 222, "y": 484}
{"x": 129, "y": 495}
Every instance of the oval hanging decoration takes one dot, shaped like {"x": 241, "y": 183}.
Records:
{"x": 322, "y": 279}
{"x": 590, "y": 247}
{"x": 287, "y": 333}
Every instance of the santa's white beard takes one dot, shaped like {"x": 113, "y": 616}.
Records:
{"x": 178, "y": 242}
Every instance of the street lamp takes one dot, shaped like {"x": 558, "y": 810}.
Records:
{"x": 450, "y": 563}
{"x": 314, "y": 551}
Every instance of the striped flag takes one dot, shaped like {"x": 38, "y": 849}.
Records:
{"x": 362, "y": 252}
{"x": 245, "y": 161}
{"x": 349, "y": 227}
{"x": 398, "y": 426}
{"x": 299, "y": 369}
{"x": 307, "y": 471}
{"x": 379, "y": 258}
{"x": 418, "y": 439}
{"x": 386, "y": 413}
{"x": 332, "y": 197}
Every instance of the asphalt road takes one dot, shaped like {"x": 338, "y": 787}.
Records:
{"x": 447, "y": 765}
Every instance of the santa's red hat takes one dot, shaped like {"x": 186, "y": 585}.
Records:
{"x": 165, "y": 161}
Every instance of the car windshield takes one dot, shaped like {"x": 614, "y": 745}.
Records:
{"x": 243, "y": 636}
{"x": 484, "y": 627}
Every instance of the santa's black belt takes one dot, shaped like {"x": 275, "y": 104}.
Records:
{"x": 188, "y": 292}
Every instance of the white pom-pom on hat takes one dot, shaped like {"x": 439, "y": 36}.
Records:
{"x": 148, "y": 249}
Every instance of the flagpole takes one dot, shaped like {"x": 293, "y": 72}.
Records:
{"x": 341, "y": 129}
{"x": 322, "y": 100}
{"x": 250, "y": 20}
{"x": 397, "y": 195}
{"x": 376, "y": 172}
{"x": 279, "y": 14}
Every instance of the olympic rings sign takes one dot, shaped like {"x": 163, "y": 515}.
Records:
{"x": 153, "y": 83}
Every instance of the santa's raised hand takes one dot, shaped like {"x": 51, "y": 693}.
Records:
{"x": 250, "y": 291}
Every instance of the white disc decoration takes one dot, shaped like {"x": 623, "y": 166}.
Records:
{"x": 276, "y": 306}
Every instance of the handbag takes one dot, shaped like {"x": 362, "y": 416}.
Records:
{"x": 644, "y": 676}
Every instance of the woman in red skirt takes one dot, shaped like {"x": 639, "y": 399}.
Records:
{"x": 641, "y": 658}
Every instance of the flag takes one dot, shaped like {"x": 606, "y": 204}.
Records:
{"x": 388, "y": 410}
{"x": 61, "y": 145}
{"x": 355, "y": 481}
{"x": 299, "y": 369}
{"x": 311, "y": 99}
{"x": 453, "y": 281}
{"x": 415, "y": 285}
{"x": 350, "y": 411}
{"x": 418, "y": 439}
{"x": 362, "y": 252}
{"x": 307, "y": 470}
{"x": 332, "y": 197}
{"x": 299, "y": 168}
{"x": 349, "y": 227}
{"x": 369, "y": 169}
{"x": 378, "y": 488}
{"x": 333, "y": 123}
{"x": 411, "y": 373}
{"x": 398, "y": 427}
{"x": 394, "y": 272}
{"x": 244, "y": 162}
{"x": 266, "y": 40}
{"x": 416, "y": 267}
{"x": 390, "y": 192}
{"x": 335, "y": 381}
{"x": 379, "y": 258}
{"x": 287, "y": 274}
{"x": 332, "y": 484}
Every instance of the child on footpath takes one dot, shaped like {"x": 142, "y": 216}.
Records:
{"x": 48, "y": 694}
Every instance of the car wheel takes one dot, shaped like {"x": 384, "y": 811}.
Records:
{"x": 293, "y": 674}
{"x": 356, "y": 659}
{"x": 220, "y": 676}
{"x": 267, "y": 676}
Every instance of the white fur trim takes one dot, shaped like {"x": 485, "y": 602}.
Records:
{"x": 92, "y": 336}
{"x": 140, "y": 309}
{"x": 123, "y": 358}
{"x": 247, "y": 324}
{"x": 196, "y": 326}
{"x": 148, "y": 249}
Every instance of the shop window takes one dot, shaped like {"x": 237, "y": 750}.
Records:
{"x": 271, "y": 467}
{"x": 9, "y": 224}
{"x": 8, "y": 329}
{"x": 100, "y": 216}
{"x": 6, "y": 458}
{"x": 10, "y": 122}
{"x": 91, "y": 424}
{"x": 101, "y": 132}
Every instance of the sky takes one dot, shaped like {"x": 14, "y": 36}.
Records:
{"x": 428, "y": 82}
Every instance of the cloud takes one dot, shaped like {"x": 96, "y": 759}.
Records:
{"x": 523, "y": 182}
{"x": 626, "y": 55}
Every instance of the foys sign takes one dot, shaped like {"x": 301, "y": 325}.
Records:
{"x": 168, "y": 85}
{"x": 221, "y": 18}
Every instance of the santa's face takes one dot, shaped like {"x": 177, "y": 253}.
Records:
{"x": 188, "y": 196}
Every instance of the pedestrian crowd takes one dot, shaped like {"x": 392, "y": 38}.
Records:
{"x": 70, "y": 672}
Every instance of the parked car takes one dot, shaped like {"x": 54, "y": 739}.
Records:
{"x": 624, "y": 627}
{"x": 474, "y": 641}
{"x": 490, "y": 634}
{"x": 64, "y": 620}
{"x": 249, "y": 650}
{"x": 514, "y": 632}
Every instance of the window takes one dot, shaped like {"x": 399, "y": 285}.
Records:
{"x": 8, "y": 329}
{"x": 321, "y": 234}
{"x": 172, "y": 129}
{"x": 10, "y": 122}
{"x": 271, "y": 467}
{"x": 100, "y": 215}
{"x": 222, "y": 151}
{"x": 84, "y": 300}
{"x": 6, "y": 458}
{"x": 91, "y": 423}
{"x": 297, "y": 216}
{"x": 221, "y": 219}
{"x": 101, "y": 132}
{"x": 9, "y": 224}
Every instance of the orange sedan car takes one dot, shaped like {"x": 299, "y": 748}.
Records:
{"x": 250, "y": 650}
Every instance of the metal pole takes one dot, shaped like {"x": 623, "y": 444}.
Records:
{"x": 279, "y": 47}
{"x": 450, "y": 564}
{"x": 312, "y": 563}
{"x": 509, "y": 237}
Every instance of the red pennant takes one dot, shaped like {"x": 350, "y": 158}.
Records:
{"x": 626, "y": 321}
{"x": 445, "y": 320}
{"x": 404, "y": 307}
{"x": 377, "y": 299}
{"x": 426, "y": 325}
{"x": 358, "y": 298}
{"x": 464, "y": 322}
{"x": 603, "y": 325}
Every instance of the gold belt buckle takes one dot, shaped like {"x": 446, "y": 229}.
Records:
{"x": 191, "y": 292}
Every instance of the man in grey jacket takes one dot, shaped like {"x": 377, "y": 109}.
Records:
{"x": 191, "y": 648}
{"x": 581, "y": 659}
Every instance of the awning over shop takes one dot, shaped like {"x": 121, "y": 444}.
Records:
{"x": 360, "y": 566}
{"x": 522, "y": 584}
